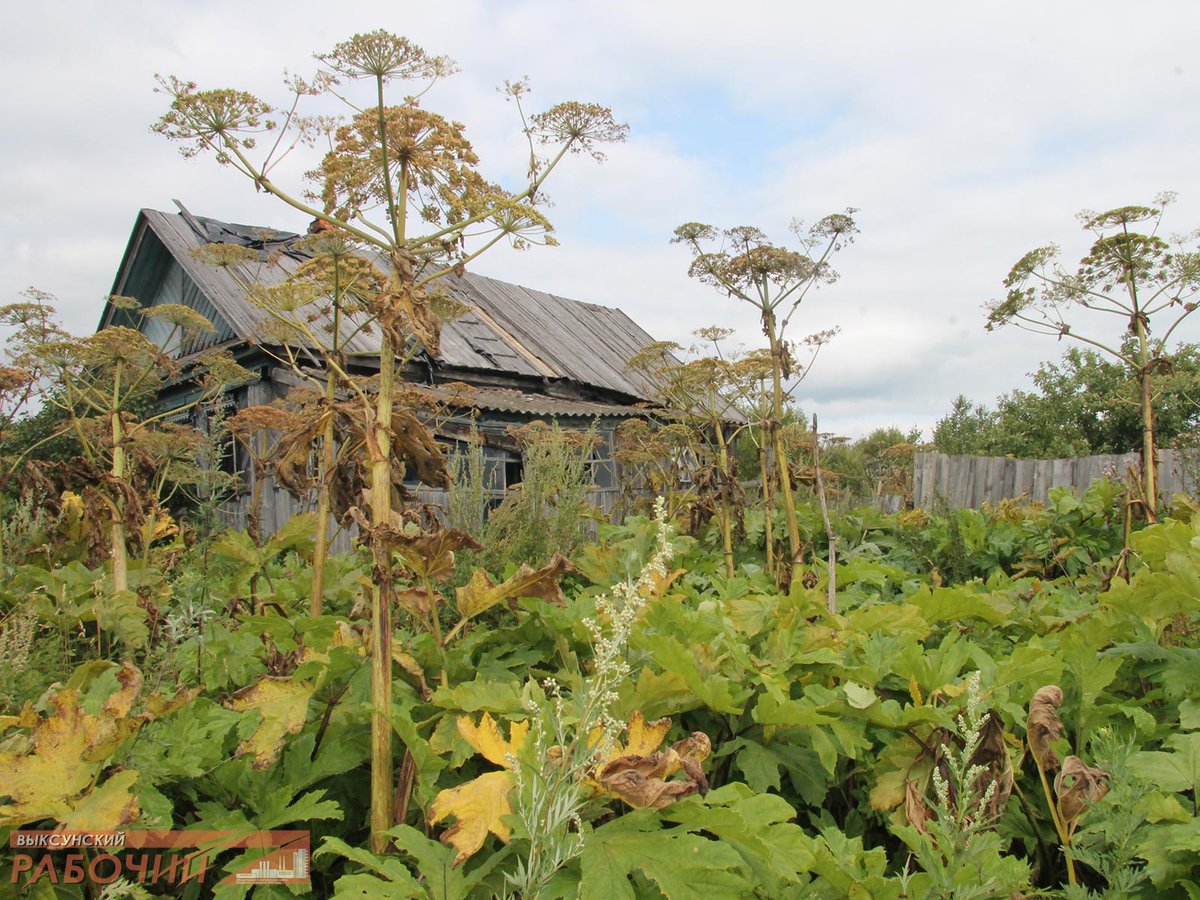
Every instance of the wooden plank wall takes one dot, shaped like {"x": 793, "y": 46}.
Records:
{"x": 969, "y": 481}
{"x": 278, "y": 507}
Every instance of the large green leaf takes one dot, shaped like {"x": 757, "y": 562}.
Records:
{"x": 757, "y": 826}
{"x": 681, "y": 865}
{"x": 1178, "y": 770}
{"x": 389, "y": 876}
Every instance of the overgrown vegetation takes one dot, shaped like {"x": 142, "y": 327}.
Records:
{"x": 656, "y": 729}
{"x": 762, "y": 690}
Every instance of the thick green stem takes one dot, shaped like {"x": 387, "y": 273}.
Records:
{"x": 381, "y": 604}
{"x": 327, "y": 462}
{"x": 321, "y": 540}
{"x": 383, "y": 590}
{"x": 1145, "y": 392}
{"x": 1146, "y": 398}
{"x": 764, "y": 473}
{"x": 724, "y": 506}
{"x": 120, "y": 557}
{"x": 831, "y": 603}
{"x": 776, "y": 431}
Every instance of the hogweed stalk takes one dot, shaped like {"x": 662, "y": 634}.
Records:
{"x": 574, "y": 731}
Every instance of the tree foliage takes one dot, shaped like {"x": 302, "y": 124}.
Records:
{"x": 1083, "y": 405}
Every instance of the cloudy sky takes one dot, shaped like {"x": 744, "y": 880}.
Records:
{"x": 964, "y": 133}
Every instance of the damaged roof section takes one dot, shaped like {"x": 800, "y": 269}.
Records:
{"x": 506, "y": 328}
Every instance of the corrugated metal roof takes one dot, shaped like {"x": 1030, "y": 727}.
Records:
{"x": 511, "y": 401}
{"x": 508, "y": 328}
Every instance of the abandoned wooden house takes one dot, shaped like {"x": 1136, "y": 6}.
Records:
{"x": 527, "y": 354}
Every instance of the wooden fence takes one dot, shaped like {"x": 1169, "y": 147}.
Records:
{"x": 969, "y": 481}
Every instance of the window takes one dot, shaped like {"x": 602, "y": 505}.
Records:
{"x": 602, "y": 468}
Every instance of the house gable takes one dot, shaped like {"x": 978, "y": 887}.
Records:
{"x": 153, "y": 276}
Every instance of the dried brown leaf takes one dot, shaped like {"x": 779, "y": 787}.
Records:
{"x": 418, "y": 601}
{"x": 992, "y": 754}
{"x": 1078, "y": 787}
{"x": 916, "y": 810}
{"x": 641, "y": 780}
{"x": 430, "y": 554}
{"x": 1044, "y": 726}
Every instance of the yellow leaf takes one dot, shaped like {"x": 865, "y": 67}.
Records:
{"x": 121, "y": 701}
{"x": 479, "y": 806}
{"x": 889, "y": 790}
{"x": 481, "y": 593}
{"x": 43, "y": 783}
{"x": 53, "y": 773}
{"x": 487, "y": 741}
{"x": 914, "y": 690}
{"x": 661, "y": 583}
{"x": 283, "y": 705}
{"x": 642, "y": 737}
{"x": 110, "y": 806}
{"x": 72, "y": 514}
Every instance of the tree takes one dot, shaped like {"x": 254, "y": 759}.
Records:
{"x": 404, "y": 182}
{"x": 964, "y": 430}
{"x": 774, "y": 280}
{"x": 879, "y": 463}
{"x": 1084, "y": 404}
{"x": 1147, "y": 282}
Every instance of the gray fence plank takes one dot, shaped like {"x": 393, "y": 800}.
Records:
{"x": 969, "y": 481}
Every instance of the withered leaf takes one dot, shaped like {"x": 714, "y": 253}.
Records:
{"x": 1044, "y": 726}
{"x": 418, "y": 601}
{"x": 916, "y": 810}
{"x": 409, "y": 664}
{"x": 414, "y": 445}
{"x": 1078, "y": 787}
{"x": 992, "y": 754}
{"x": 430, "y": 554}
{"x": 481, "y": 593}
{"x": 641, "y": 780}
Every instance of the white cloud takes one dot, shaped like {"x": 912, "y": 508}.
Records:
{"x": 966, "y": 134}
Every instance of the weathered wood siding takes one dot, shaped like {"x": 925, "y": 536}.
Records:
{"x": 277, "y": 507}
{"x": 969, "y": 481}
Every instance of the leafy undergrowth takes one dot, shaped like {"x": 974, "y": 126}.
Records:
{"x": 755, "y": 744}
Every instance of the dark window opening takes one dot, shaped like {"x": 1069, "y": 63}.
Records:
{"x": 513, "y": 471}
